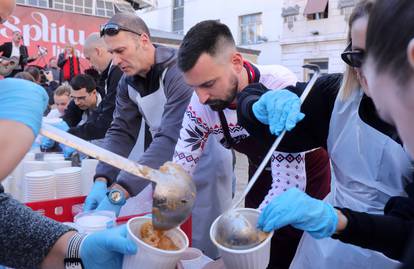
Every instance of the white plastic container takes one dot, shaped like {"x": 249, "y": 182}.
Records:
{"x": 257, "y": 257}
{"x": 88, "y": 171}
{"x": 94, "y": 221}
{"x": 151, "y": 257}
{"x": 193, "y": 258}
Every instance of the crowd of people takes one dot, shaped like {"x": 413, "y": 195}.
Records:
{"x": 338, "y": 192}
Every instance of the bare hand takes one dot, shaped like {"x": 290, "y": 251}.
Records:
{"x": 49, "y": 76}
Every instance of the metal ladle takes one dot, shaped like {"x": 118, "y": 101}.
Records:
{"x": 174, "y": 192}
{"x": 233, "y": 229}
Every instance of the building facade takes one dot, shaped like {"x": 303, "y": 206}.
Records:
{"x": 314, "y": 31}
{"x": 255, "y": 25}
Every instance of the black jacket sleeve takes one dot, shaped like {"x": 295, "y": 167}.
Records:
{"x": 311, "y": 132}
{"x": 389, "y": 233}
{"x": 3, "y": 49}
{"x": 73, "y": 114}
{"x": 24, "y": 56}
{"x": 6, "y": 49}
{"x": 100, "y": 120}
{"x": 61, "y": 60}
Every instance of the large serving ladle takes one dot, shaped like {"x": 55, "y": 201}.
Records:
{"x": 233, "y": 229}
{"x": 174, "y": 192}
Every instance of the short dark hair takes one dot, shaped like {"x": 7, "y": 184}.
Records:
{"x": 25, "y": 75}
{"x": 390, "y": 30}
{"x": 34, "y": 71}
{"x": 204, "y": 37}
{"x": 83, "y": 81}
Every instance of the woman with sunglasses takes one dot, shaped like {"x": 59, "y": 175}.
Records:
{"x": 369, "y": 165}
{"x": 389, "y": 69}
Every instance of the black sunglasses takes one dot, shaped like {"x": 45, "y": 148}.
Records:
{"x": 111, "y": 29}
{"x": 353, "y": 58}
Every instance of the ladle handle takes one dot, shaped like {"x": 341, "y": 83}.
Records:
{"x": 96, "y": 152}
{"x": 278, "y": 139}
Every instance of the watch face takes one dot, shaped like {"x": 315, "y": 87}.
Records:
{"x": 116, "y": 196}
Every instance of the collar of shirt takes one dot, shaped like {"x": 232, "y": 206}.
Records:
{"x": 163, "y": 57}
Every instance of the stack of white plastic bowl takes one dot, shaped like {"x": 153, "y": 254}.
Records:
{"x": 18, "y": 177}
{"x": 40, "y": 185}
{"x": 28, "y": 167}
{"x": 68, "y": 182}
{"x": 31, "y": 166}
{"x": 54, "y": 165}
{"x": 8, "y": 184}
{"x": 49, "y": 157}
{"x": 88, "y": 171}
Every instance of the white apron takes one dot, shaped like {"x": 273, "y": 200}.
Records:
{"x": 368, "y": 168}
{"x": 212, "y": 176}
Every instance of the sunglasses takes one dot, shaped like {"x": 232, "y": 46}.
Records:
{"x": 111, "y": 29}
{"x": 353, "y": 58}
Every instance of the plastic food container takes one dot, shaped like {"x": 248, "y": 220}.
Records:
{"x": 149, "y": 256}
{"x": 257, "y": 257}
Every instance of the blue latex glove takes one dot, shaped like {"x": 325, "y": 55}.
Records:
{"x": 97, "y": 194}
{"x": 23, "y": 101}
{"x": 67, "y": 151}
{"x": 105, "y": 204}
{"x": 49, "y": 143}
{"x": 106, "y": 249}
{"x": 280, "y": 109}
{"x": 62, "y": 125}
{"x": 303, "y": 212}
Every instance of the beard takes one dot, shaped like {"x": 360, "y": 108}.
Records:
{"x": 218, "y": 105}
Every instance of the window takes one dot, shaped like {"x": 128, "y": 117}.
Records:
{"x": 316, "y": 9}
{"x": 178, "y": 17}
{"x": 251, "y": 29}
{"x": 36, "y": 3}
{"x": 66, "y": 5}
{"x": 104, "y": 8}
{"x": 323, "y": 64}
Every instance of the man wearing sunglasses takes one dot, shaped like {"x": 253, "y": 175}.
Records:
{"x": 151, "y": 100}
{"x": 29, "y": 239}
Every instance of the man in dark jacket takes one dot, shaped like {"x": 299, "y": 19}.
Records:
{"x": 16, "y": 49}
{"x": 99, "y": 121}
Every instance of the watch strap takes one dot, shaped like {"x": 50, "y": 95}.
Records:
{"x": 72, "y": 259}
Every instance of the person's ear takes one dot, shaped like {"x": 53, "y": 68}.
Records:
{"x": 98, "y": 51}
{"x": 237, "y": 61}
{"x": 145, "y": 39}
{"x": 410, "y": 53}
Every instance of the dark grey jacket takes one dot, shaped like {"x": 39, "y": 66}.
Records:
{"x": 26, "y": 237}
{"x": 122, "y": 135}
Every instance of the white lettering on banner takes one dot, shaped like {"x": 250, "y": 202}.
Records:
{"x": 40, "y": 30}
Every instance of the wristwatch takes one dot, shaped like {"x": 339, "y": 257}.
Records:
{"x": 116, "y": 197}
{"x": 72, "y": 259}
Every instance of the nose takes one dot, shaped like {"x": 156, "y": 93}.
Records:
{"x": 116, "y": 59}
{"x": 202, "y": 95}
{"x": 77, "y": 101}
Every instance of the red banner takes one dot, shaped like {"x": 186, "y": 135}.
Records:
{"x": 50, "y": 29}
